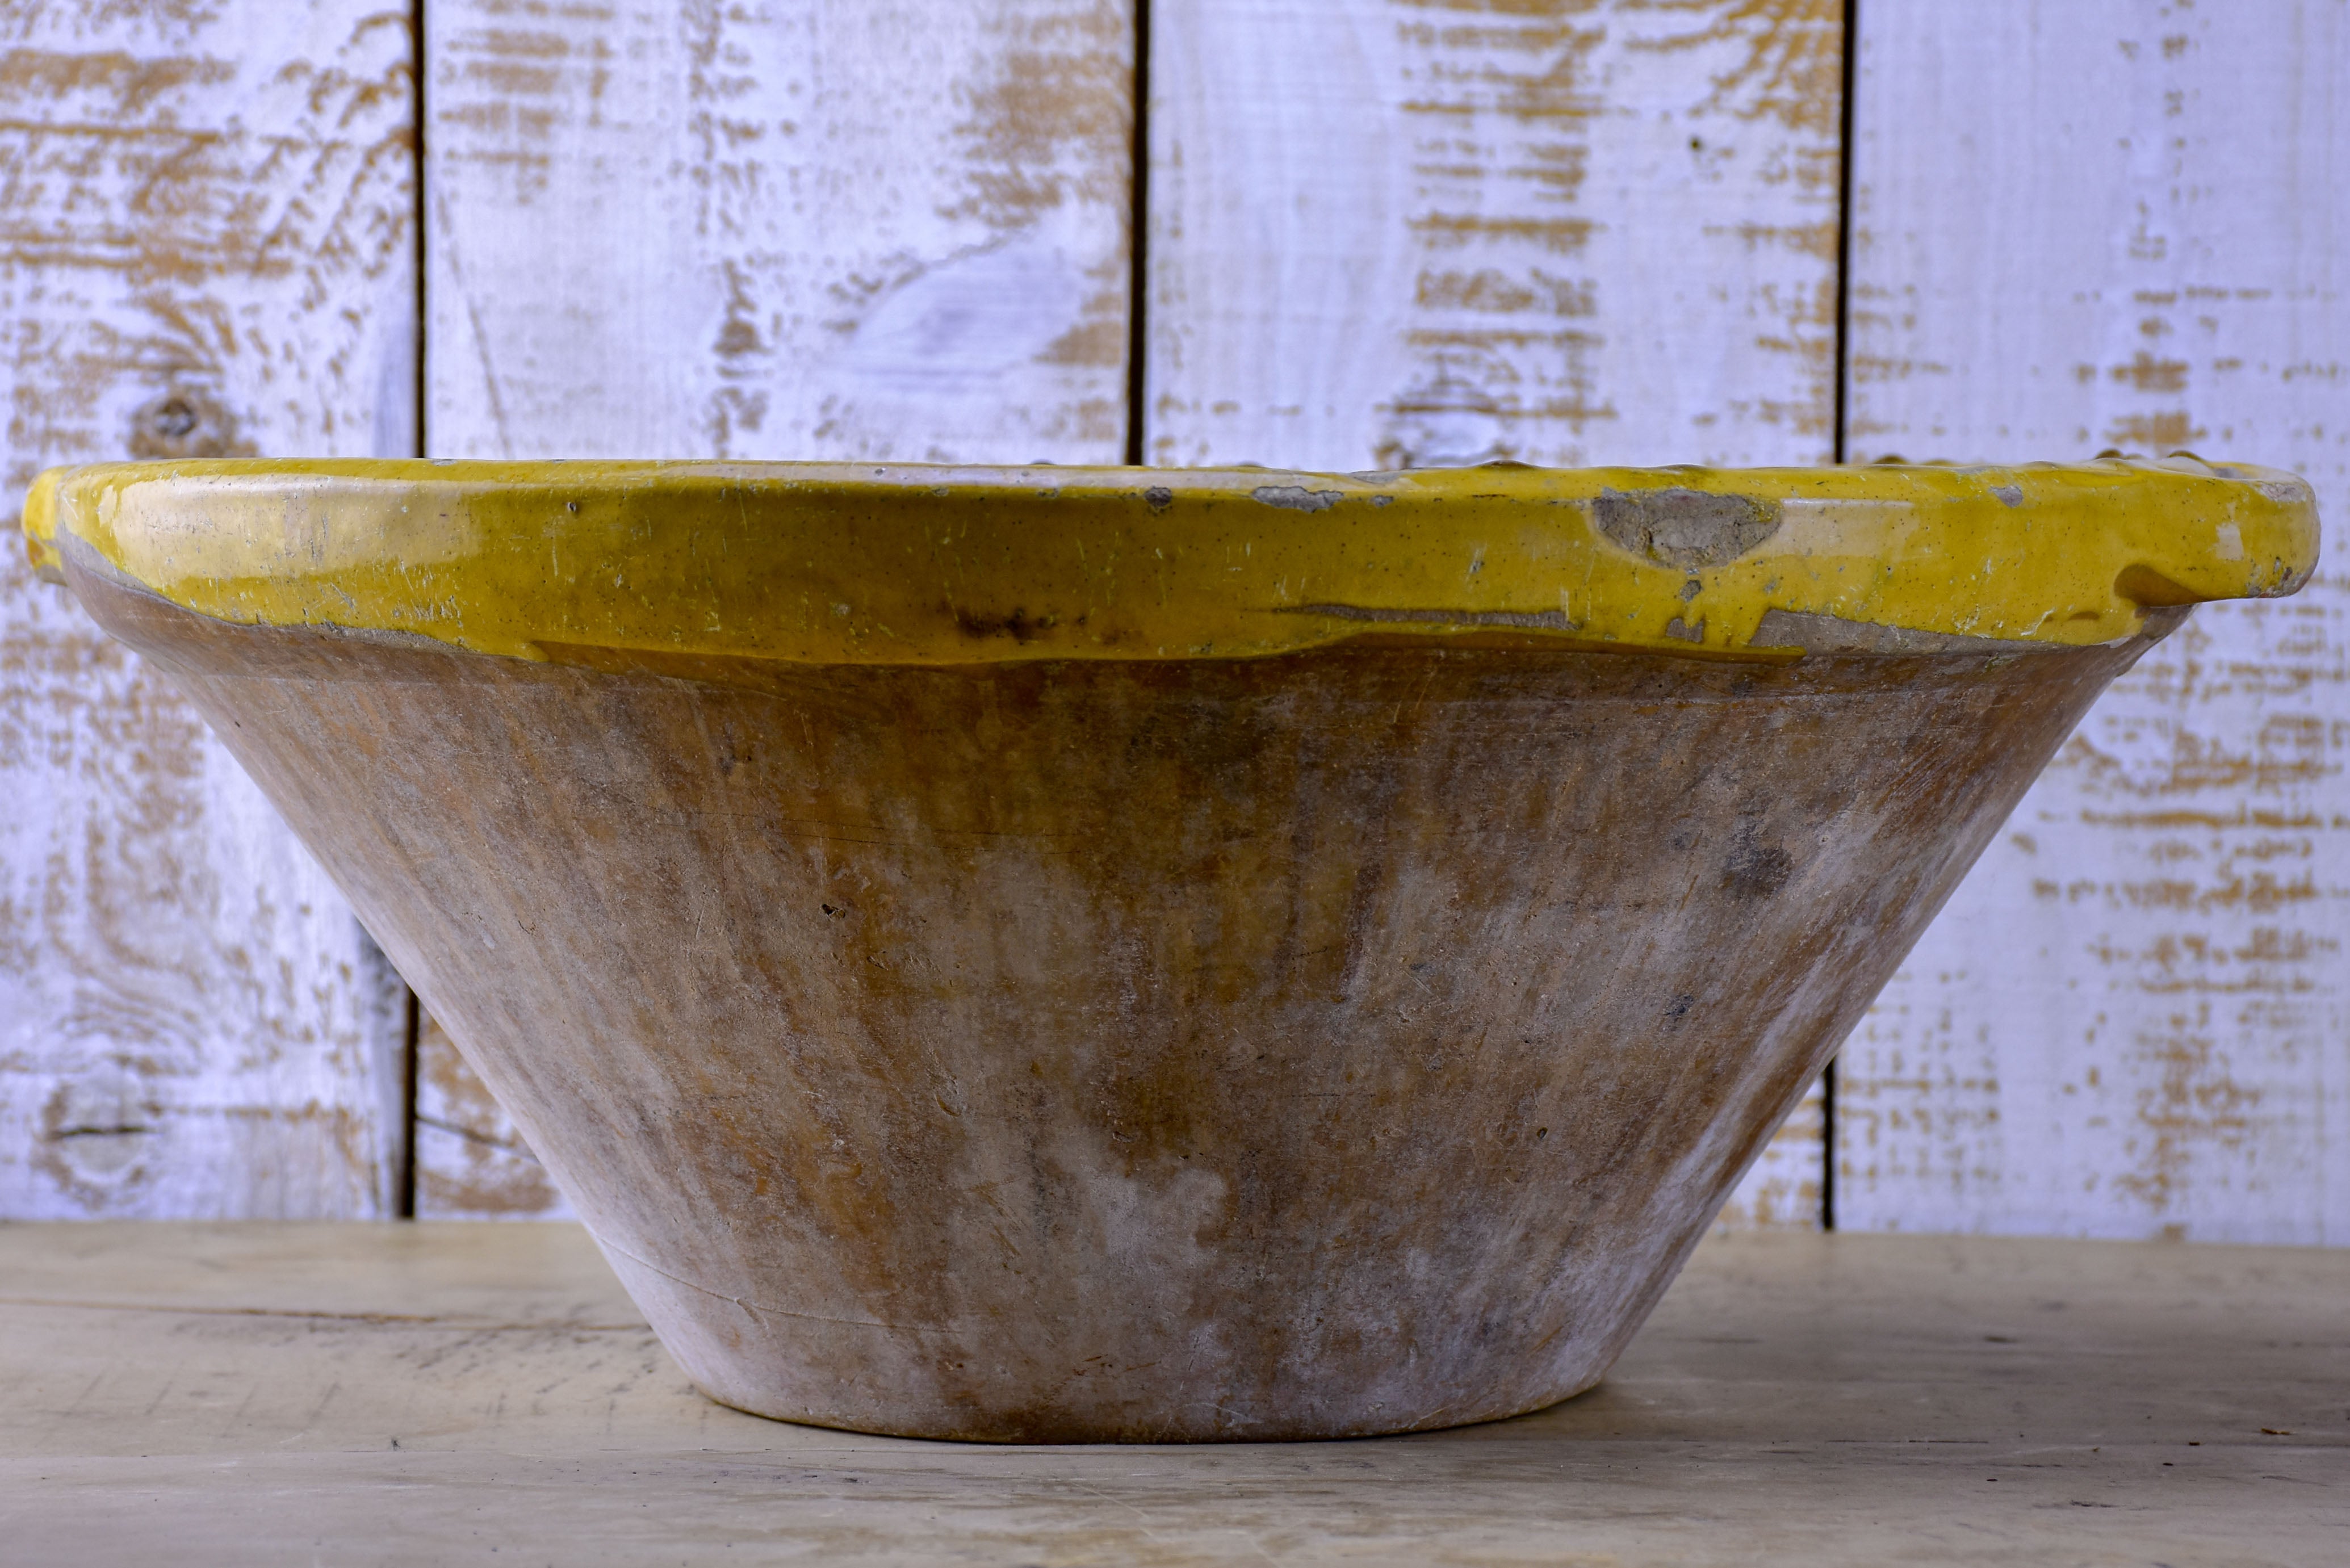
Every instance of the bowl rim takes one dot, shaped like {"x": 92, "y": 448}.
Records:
{"x": 877, "y": 563}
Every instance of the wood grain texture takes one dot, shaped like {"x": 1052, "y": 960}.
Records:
{"x": 796, "y": 228}
{"x": 2120, "y": 223}
{"x": 1389, "y": 235}
{"x": 246, "y": 1396}
{"x": 205, "y": 248}
{"x": 1422, "y": 232}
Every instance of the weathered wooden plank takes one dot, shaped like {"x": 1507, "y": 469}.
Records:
{"x": 470, "y": 1162}
{"x": 237, "y": 1394}
{"x": 205, "y": 247}
{"x": 2120, "y": 223}
{"x": 1386, "y": 235}
{"x": 1427, "y": 232}
{"x": 804, "y": 229}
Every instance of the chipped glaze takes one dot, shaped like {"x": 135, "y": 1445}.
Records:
{"x": 842, "y": 563}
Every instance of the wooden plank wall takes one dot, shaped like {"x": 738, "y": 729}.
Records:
{"x": 1379, "y": 232}
{"x": 808, "y": 228}
{"x": 2090, "y": 223}
{"x": 1427, "y": 232}
{"x": 206, "y": 246}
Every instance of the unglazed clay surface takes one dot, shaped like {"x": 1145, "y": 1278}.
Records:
{"x": 1346, "y": 1042}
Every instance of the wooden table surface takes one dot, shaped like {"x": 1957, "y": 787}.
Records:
{"x": 259, "y": 1393}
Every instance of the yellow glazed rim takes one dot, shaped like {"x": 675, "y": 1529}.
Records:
{"x": 903, "y": 563}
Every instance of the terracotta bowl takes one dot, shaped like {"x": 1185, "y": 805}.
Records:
{"x": 1083, "y": 954}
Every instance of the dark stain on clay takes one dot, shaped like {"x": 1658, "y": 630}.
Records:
{"x": 1690, "y": 529}
{"x": 1755, "y": 868}
{"x": 1018, "y": 624}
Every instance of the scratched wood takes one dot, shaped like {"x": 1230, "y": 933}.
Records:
{"x": 205, "y": 248}
{"x": 800, "y": 229}
{"x": 239, "y": 1394}
{"x": 807, "y": 229}
{"x": 1393, "y": 233}
{"x": 1388, "y": 234}
{"x": 2121, "y": 224}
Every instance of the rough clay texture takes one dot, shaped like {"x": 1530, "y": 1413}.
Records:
{"x": 1686, "y": 528}
{"x": 1334, "y": 1044}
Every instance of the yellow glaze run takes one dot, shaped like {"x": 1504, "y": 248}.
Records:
{"x": 834, "y": 563}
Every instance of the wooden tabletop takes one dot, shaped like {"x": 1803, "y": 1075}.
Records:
{"x": 259, "y": 1393}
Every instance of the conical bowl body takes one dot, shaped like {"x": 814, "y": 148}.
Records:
{"x": 1008, "y": 1020}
